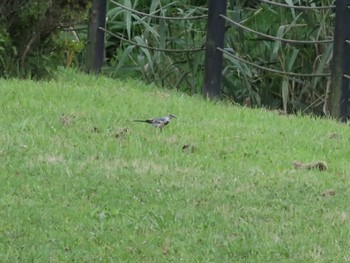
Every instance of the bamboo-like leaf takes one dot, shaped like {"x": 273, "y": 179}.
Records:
{"x": 294, "y": 22}
{"x": 247, "y": 75}
{"x": 322, "y": 65}
{"x": 127, "y": 18}
{"x": 285, "y": 93}
{"x": 242, "y": 68}
{"x": 292, "y": 59}
{"x": 197, "y": 60}
{"x": 154, "y": 5}
{"x": 147, "y": 53}
{"x": 277, "y": 45}
{"x": 113, "y": 13}
{"x": 148, "y": 27}
{"x": 162, "y": 33}
{"x": 291, "y": 4}
{"x": 123, "y": 58}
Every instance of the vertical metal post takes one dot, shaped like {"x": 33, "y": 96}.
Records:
{"x": 339, "y": 96}
{"x": 213, "y": 57}
{"x": 96, "y": 38}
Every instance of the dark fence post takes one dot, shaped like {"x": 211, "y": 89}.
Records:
{"x": 339, "y": 96}
{"x": 96, "y": 38}
{"x": 213, "y": 57}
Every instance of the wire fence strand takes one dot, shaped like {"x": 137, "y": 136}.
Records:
{"x": 272, "y": 70}
{"x": 149, "y": 47}
{"x": 289, "y": 41}
{"x": 159, "y": 17}
{"x": 297, "y": 6}
{"x": 78, "y": 28}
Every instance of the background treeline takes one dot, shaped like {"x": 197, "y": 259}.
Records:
{"x": 39, "y": 27}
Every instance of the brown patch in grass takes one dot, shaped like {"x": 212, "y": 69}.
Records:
{"x": 334, "y": 136}
{"x": 320, "y": 165}
{"x": 188, "y": 148}
{"x": 329, "y": 192}
{"x": 122, "y": 133}
{"x": 95, "y": 129}
{"x": 67, "y": 120}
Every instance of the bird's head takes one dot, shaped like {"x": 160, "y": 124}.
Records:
{"x": 171, "y": 116}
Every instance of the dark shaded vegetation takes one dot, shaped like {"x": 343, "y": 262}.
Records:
{"x": 31, "y": 43}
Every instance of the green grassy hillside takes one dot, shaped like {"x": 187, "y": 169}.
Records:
{"x": 81, "y": 182}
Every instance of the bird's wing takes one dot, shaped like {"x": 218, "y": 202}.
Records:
{"x": 163, "y": 119}
{"x": 158, "y": 122}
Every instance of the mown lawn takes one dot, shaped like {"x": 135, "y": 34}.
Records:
{"x": 81, "y": 182}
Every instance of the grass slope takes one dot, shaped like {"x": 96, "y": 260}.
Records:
{"x": 81, "y": 182}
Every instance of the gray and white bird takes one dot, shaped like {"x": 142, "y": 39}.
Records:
{"x": 158, "y": 122}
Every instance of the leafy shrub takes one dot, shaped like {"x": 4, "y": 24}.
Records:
{"x": 29, "y": 34}
{"x": 263, "y": 88}
{"x": 180, "y": 70}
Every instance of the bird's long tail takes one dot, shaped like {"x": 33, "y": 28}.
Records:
{"x": 147, "y": 121}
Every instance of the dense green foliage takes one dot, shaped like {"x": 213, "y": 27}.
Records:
{"x": 243, "y": 83}
{"x": 31, "y": 46}
{"x": 179, "y": 70}
{"x": 275, "y": 90}
{"x": 81, "y": 182}
{"x": 30, "y": 42}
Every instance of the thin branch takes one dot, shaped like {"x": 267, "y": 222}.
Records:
{"x": 290, "y": 41}
{"x": 78, "y": 28}
{"x": 272, "y": 70}
{"x": 26, "y": 50}
{"x": 298, "y": 6}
